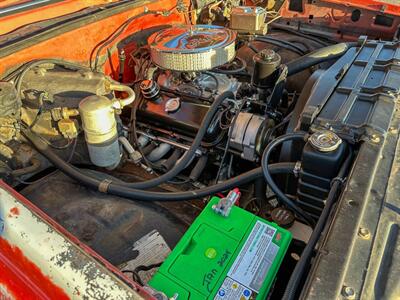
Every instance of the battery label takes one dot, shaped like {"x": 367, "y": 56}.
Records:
{"x": 233, "y": 290}
{"x": 255, "y": 258}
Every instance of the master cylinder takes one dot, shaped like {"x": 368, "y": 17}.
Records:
{"x": 100, "y": 126}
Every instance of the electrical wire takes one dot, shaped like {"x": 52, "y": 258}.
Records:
{"x": 232, "y": 125}
{"x": 277, "y": 126}
{"x": 313, "y": 37}
{"x": 281, "y": 43}
{"x": 135, "y": 273}
{"x": 32, "y": 64}
{"x": 112, "y": 37}
{"x": 224, "y": 68}
{"x": 215, "y": 79}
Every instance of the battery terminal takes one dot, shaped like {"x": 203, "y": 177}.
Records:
{"x": 224, "y": 205}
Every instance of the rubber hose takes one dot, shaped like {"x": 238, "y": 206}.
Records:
{"x": 159, "y": 152}
{"x": 267, "y": 174}
{"x": 296, "y": 277}
{"x": 260, "y": 190}
{"x": 127, "y": 146}
{"x": 232, "y": 72}
{"x": 188, "y": 156}
{"x": 198, "y": 168}
{"x": 318, "y": 56}
{"x": 281, "y": 43}
{"x": 33, "y": 167}
{"x": 171, "y": 161}
{"x": 122, "y": 190}
{"x": 148, "y": 148}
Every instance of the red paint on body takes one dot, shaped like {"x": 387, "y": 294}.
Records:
{"x": 14, "y": 211}
{"x": 22, "y": 279}
{"x": 72, "y": 239}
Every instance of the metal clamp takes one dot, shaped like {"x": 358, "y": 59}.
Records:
{"x": 338, "y": 179}
{"x": 297, "y": 169}
{"x": 103, "y": 186}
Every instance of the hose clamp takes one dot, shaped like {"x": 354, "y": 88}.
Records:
{"x": 297, "y": 169}
{"x": 338, "y": 179}
{"x": 103, "y": 186}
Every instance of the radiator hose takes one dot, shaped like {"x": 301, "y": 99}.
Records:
{"x": 318, "y": 56}
{"x": 124, "y": 190}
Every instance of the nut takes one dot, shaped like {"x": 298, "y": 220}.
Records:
{"x": 393, "y": 130}
{"x": 348, "y": 292}
{"x": 364, "y": 233}
{"x": 267, "y": 54}
{"x": 375, "y": 139}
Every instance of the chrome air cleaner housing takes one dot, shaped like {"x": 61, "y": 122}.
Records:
{"x": 192, "y": 48}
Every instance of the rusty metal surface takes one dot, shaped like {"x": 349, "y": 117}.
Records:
{"x": 108, "y": 224}
{"x": 342, "y": 20}
{"x": 382, "y": 278}
{"x": 76, "y": 270}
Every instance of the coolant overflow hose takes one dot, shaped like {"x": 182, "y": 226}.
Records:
{"x": 267, "y": 174}
{"x": 123, "y": 190}
{"x": 308, "y": 251}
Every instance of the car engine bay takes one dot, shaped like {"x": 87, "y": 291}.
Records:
{"x": 238, "y": 110}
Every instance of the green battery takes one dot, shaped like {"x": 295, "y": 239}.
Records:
{"x": 224, "y": 258}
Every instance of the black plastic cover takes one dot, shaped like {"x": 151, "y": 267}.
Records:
{"x": 356, "y": 95}
{"x": 357, "y": 256}
{"x": 317, "y": 171}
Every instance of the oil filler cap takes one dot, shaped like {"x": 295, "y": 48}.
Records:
{"x": 325, "y": 141}
{"x": 172, "y": 105}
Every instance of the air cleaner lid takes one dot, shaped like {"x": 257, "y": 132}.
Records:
{"x": 192, "y": 48}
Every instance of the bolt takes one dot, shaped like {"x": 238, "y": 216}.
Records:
{"x": 364, "y": 233}
{"x": 393, "y": 130}
{"x": 348, "y": 292}
{"x": 375, "y": 139}
{"x": 267, "y": 54}
{"x": 40, "y": 71}
{"x": 352, "y": 202}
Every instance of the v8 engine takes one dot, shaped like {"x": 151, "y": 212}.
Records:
{"x": 185, "y": 146}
